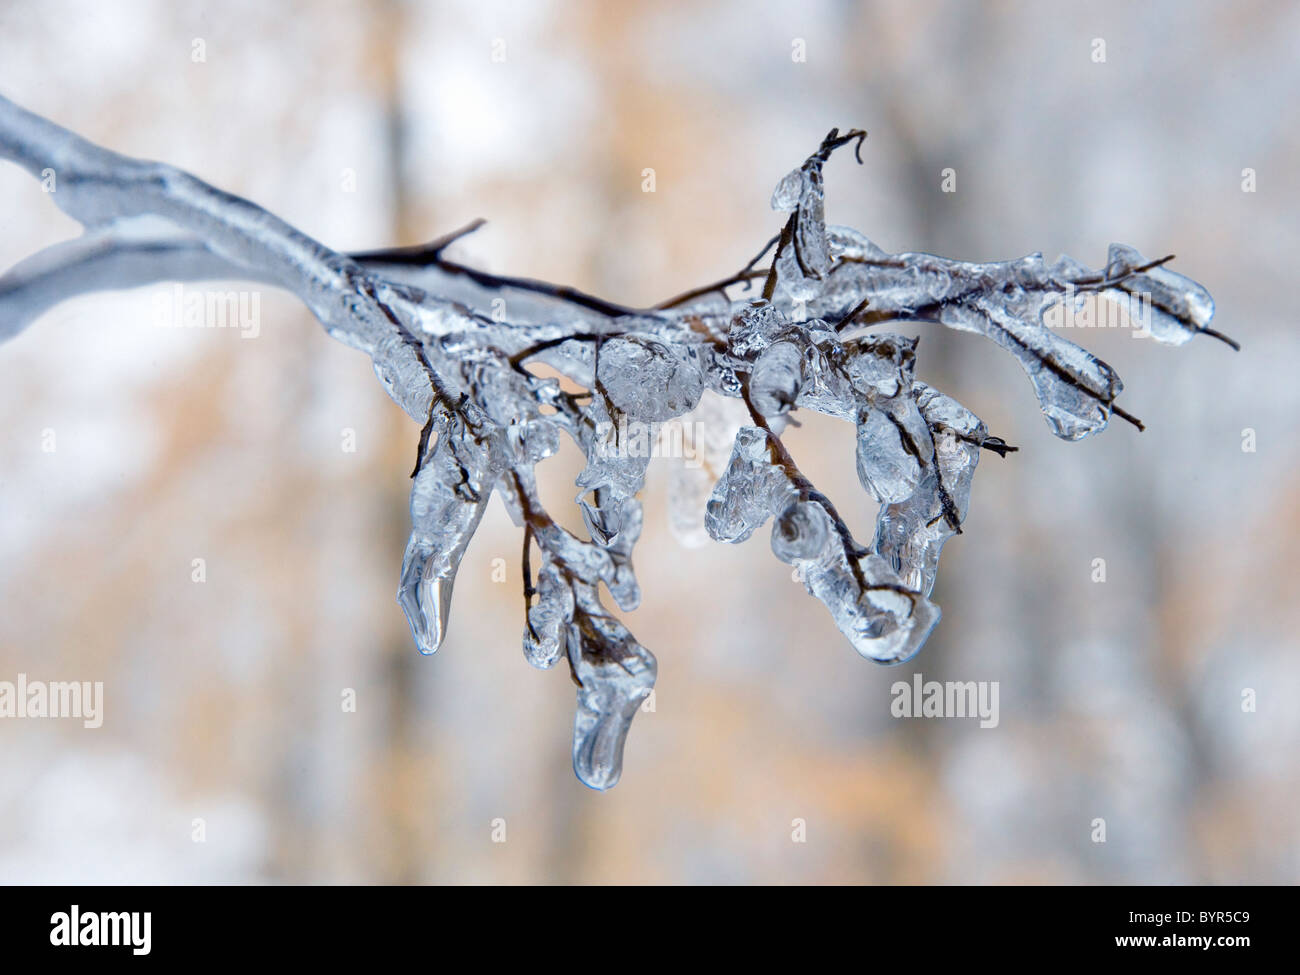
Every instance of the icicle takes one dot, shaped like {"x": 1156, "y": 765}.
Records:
{"x": 448, "y": 498}
{"x": 615, "y": 675}
{"x": 707, "y": 437}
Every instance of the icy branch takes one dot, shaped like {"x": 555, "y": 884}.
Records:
{"x": 808, "y": 339}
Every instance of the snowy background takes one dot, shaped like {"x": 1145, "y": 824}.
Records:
{"x": 368, "y": 124}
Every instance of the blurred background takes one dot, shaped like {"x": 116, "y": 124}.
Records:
{"x": 225, "y": 753}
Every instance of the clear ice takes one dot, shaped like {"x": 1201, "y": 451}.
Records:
{"x": 809, "y": 338}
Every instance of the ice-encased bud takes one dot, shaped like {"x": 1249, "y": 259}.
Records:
{"x": 801, "y": 532}
{"x": 881, "y": 365}
{"x": 753, "y": 329}
{"x": 602, "y": 521}
{"x": 647, "y": 380}
{"x": 1164, "y": 304}
{"x": 548, "y": 620}
{"x": 803, "y": 263}
{"x": 750, "y": 491}
{"x": 777, "y": 378}
{"x": 788, "y": 192}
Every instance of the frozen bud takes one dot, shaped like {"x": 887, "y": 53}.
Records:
{"x": 801, "y": 532}
{"x": 882, "y": 365}
{"x": 1166, "y": 305}
{"x": 650, "y": 381}
{"x": 786, "y": 196}
{"x": 753, "y": 329}
{"x": 777, "y": 378}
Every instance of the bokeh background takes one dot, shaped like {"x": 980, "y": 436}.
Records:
{"x": 369, "y": 124}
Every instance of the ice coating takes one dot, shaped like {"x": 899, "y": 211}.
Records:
{"x": 777, "y": 379}
{"x": 548, "y": 620}
{"x": 802, "y": 334}
{"x": 708, "y": 433}
{"x": 883, "y": 619}
{"x": 804, "y": 257}
{"x": 648, "y": 380}
{"x": 1170, "y": 308}
{"x": 613, "y": 475}
{"x": 751, "y": 490}
{"x": 910, "y": 532}
{"x": 615, "y": 675}
{"x": 448, "y": 497}
{"x": 893, "y": 444}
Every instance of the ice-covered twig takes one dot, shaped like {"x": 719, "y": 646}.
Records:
{"x": 808, "y": 339}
